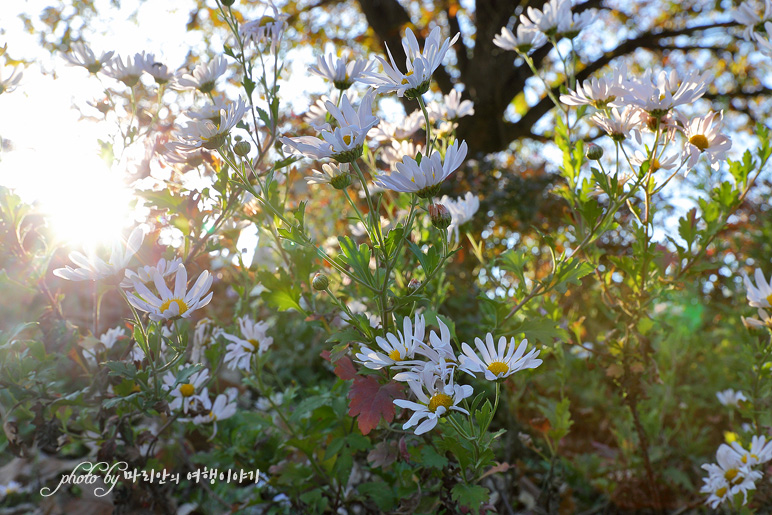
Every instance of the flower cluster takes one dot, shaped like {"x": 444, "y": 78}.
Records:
{"x": 734, "y": 472}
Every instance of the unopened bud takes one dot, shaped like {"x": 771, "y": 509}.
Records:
{"x": 413, "y": 285}
{"x": 242, "y": 148}
{"x": 441, "y": 217}
{"x": 594, "y": 152}
{"x": 228, "y": 3}
{"x": 320, "y": 282}
{"x": 340, "y": 178}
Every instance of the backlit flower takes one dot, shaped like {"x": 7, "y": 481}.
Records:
{"x": 462, "y": 209}
{"x": 760, "y": 295}
{"x": 339, "y": 70}
{"x": 424, "y": 178}
{"x": 345, "y": 142}
{"x": 597, "y": 92}
{"x": 82, "y": 55}
{"x": 336, "y": 175}
{"x": 703, "y": 138}
{"x": 254, "y": 341}
{"x": 618, "y": 123}
{"x": 10, "y": 82}
{"x": 145, "y": 274}
{"x": 160, "y": 72}
{"x": 553, "y": 18}
{"x": 386, "y": 131}
{"x": 93, "y": 268}
{"x": 269, "y": 27}
{"x": 658, "y": 93}
{"x": 184, "y": 394}
{"x": 451, "y": 108}
{"x": 748, "y": 16}
{"x": 170, "y": 304}
{"x": 527, "y": 40}
{"x": 207, "y": 134}
{"x": 420, "y": 66}
{"x": 398, "y": 346}
{"x": 397, "y": 150}
{"x": 204, "y": 75}
{"x": 127, "y": 72}
{"x": 497, "y": 362}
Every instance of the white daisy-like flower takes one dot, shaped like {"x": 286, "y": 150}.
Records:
{"x": 211, "y": 111}
{"x": 764, "y": 321}
{"x": 579, "y": 22}
{"x": 170, "y": 304}
{"x": 396, "y": 348}
{"x": 184, "y": 394}
{"x": 439, "y": 349}
{"x": 704, "y": 138}
{"x": 10, "y": 82}
{"x": 497, "y": 362}
{"x": 202, "y": 337}
{"x": 397, "y": 150}
{"x": 204, "y": 75}
{"x": 451, "y": 108}
{"x": 619, "y": 124}
{"x": 269, "y": 27}
{"x": 128, "y": 72}
{"x": 728, "y": 477}
{"x": 345, "y": 142}
{"x": 223, "y": 407}
{"x": 13, "y": 487}
{"x": 598, "y": 92}
{"x": 730, "y": 397}
{"x": 81, "y": 55}
{"x": 760, "y": 295}
{"x": 145, "y": 274}
{"x": 339, "y": 70}
{"x": 760, "y": 451}
{"x": 420, "y": 65}
{"x": 206, "y": 134}
{"x": 462, "y": 209}
{"x": 254, "y": 340}
{"x": 387, "y": 132}
{"x": 336, "y": 175}
{"x": 552, "y": 19}
{"x": 107, "y": 341}
{"x": 763, "y": 40}
{"x": 658, "y": 93}
{"x": 317, "y": 115}
{"x": 748, "y": 16}
{"x": 159, "y": 71}
{"x": 424, "y": 178}
{"x": 436, "y": 396}
{"x": 93, "y": 268}
{"x": 658, "y": 163}
{"x": 527, "y": 40}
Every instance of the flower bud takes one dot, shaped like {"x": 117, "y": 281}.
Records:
{"x": 413, "y": 285}
{"x": 320, "y": 282}
{"x": 441, "y": 217}
{"x": 242, "y": 148}
{"x": 594, "y": 152}
{"x": 228, "y": 3}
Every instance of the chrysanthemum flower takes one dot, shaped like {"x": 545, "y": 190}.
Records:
{"x": 618, "y": 124}
{"x": 552, "y": 19}
{"x": 204, "y": 76}
{"x": 269, "y": 27}
{"x": 128, "y": 72}
{"x": 145, "y": 274}
{"x": 424, "y": 178}
{"x": 106, "y": 340}
{"x": 527, "y": 40}
{"x": 658, "y": 163}
{"x": 93, "y": 268}
{"x": 160, "y": 72}
{"x": 451, "y": 108}
{"x": 728, "y": 477}
{"x": 184, "y": 394}
{"x": 254, "y": 341}
{"x": 764, "y": 321}
{"x": 387, "y": 132}
{"x": 10, "y": 82}
{"x": 345, "y": 142}
{"x": 317, "y": 115}
{"x": 395, "y": 348}
{"x": 11, "y": 488}
{"x": 397, "y": 150}
{"x": 170, "y": 304}
{"x": 730, "y": 397}
{"x": 336, "y": 175}
{"x": 703, "y": 137}
{"x": 462, "y": 209}
{"x": 420, "y": 66}
{"x": 497, "y": 363}
{"x": 747, "y": 15}
{"x": 597, "y": 92}
{"x": 759, "y": 296}
{"x": 206, "y": 134}
{"x": 436, "y": 395}
{"x": 223, "y": 407}
{"x": 339, "y": 70}
{"x": 760, "y": 451}
{"x": 82, "y": 55}
{"x": 658, "y": 93}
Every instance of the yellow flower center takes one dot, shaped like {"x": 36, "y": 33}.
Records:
{"x": 721, "y": 492}
{"x": 440, "y": 399}
{"x": 180, "y": 304}
{"x": 187, "y": 390}
{"x": 408, "y": 74}
{"x": 655, "y": 164}
{"x": 769, "y": 299}
{"x": 731, "y": 476}
{"x": 395, "y": 355}
{"x": 347, "y": 139}
{"x": 700, "y": 141}
{"x": 212, "y": 415}
{"x": 254, "y": 343}
{"x": 498, "y": 367}
{"x": 265, "y": 20}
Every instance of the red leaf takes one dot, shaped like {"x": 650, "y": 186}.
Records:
{"x": 344, "y": 367}
{"x": 372, "y": 401}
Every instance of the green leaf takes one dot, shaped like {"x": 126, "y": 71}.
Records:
{"x": 122, "y": 369}
{"x": 429, "y": 261}
{"x": 281, "y": 292}
{"x": 570, "y": 272}
{"x": 430, "y": 458}
{"x": 380, "y": 492}
{"x": 514, "y": 261}
{"x": 470, "y": 496}
{"x": 358, "y": 259}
